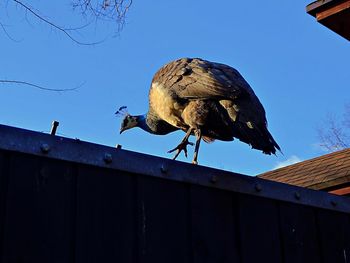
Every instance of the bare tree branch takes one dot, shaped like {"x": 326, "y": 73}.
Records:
{"x": 59, "y": 28}
{"x": 106, "y": 10}
{"x": 98, "y": 10}
{"x": 3, "y": 27}
{"x": 113, "y": 10}
{"x": 334, "y": 135}
{"x": 36, "y": 86}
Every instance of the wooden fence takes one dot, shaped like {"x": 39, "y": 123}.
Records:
{"x": 64, "y": 200}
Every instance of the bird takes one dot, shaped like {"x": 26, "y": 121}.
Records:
{"x": 209, "y": 100}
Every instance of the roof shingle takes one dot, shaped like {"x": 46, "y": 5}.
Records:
{"x": 323, "y": 172}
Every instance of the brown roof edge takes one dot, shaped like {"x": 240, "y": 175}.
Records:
{"x": 342, "y": 191}
{"x": 318, "y": 6}
{"x": 330, "y": 184}
{"x": 325, "y": 156}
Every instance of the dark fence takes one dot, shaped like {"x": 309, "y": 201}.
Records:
{"x": 64, "y": 200}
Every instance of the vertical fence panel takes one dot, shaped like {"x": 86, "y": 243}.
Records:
{"x": 214, "y": 237}
{"x": 259, "y": 233}
{"x": 299, "y": 234}
{"x": 39, "y": 211}
{"x": 105, "y": 216}
{"x": 162, "y": 221}
{"x": 4, "y": 175}
{"x": 334, "y": 233}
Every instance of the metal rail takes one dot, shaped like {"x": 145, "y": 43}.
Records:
{"x": 56, "y": 147}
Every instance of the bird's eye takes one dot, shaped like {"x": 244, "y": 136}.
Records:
{"x": 125, "y": 122}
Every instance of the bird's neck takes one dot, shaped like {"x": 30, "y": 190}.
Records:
{"x": 142, "y": 123}
{"x": 152, "y": 124}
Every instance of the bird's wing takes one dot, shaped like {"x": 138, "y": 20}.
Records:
{"x": 197, "y": 78}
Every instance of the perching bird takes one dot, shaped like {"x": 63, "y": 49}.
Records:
{"x": 206, "y": 99}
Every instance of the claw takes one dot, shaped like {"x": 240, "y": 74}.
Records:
{"x": 181, "y": 147}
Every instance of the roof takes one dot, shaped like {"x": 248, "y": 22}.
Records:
{"x": 315, "y": 6}
{"x": 334, "y": 14}
{"x": 322, "y": 173}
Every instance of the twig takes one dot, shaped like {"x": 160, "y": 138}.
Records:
{"x": 64, "y": 31}
{"x": 105, "y": 9}
{"x": 7, "y": 33}
{"x": 332, "y": 135}
{"x": 36, "y": 86}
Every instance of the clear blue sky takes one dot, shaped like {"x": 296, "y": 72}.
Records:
{"x": 298, "y": 68}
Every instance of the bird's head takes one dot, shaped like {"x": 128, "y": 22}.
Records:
{"x": 129, "y": 122}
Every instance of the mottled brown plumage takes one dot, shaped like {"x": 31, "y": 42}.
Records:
{"x": 207, "y": 99}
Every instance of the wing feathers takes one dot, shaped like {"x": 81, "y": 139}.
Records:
{"x": 189, "y": 78}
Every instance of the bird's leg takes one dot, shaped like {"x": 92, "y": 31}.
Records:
{"x": 183, "y": 144}
{"x": 198, "y": 134}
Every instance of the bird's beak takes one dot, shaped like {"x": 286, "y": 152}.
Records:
{"x": 121, "y": 130}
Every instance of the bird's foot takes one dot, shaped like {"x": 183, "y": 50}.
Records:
{"x": 181, "y": 147}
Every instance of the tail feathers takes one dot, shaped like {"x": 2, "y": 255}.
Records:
{"x": 258, "y": 137}
{"x": 272, "y": 145}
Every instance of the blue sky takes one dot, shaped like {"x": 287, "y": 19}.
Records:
{"x": 297, "y": 67}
